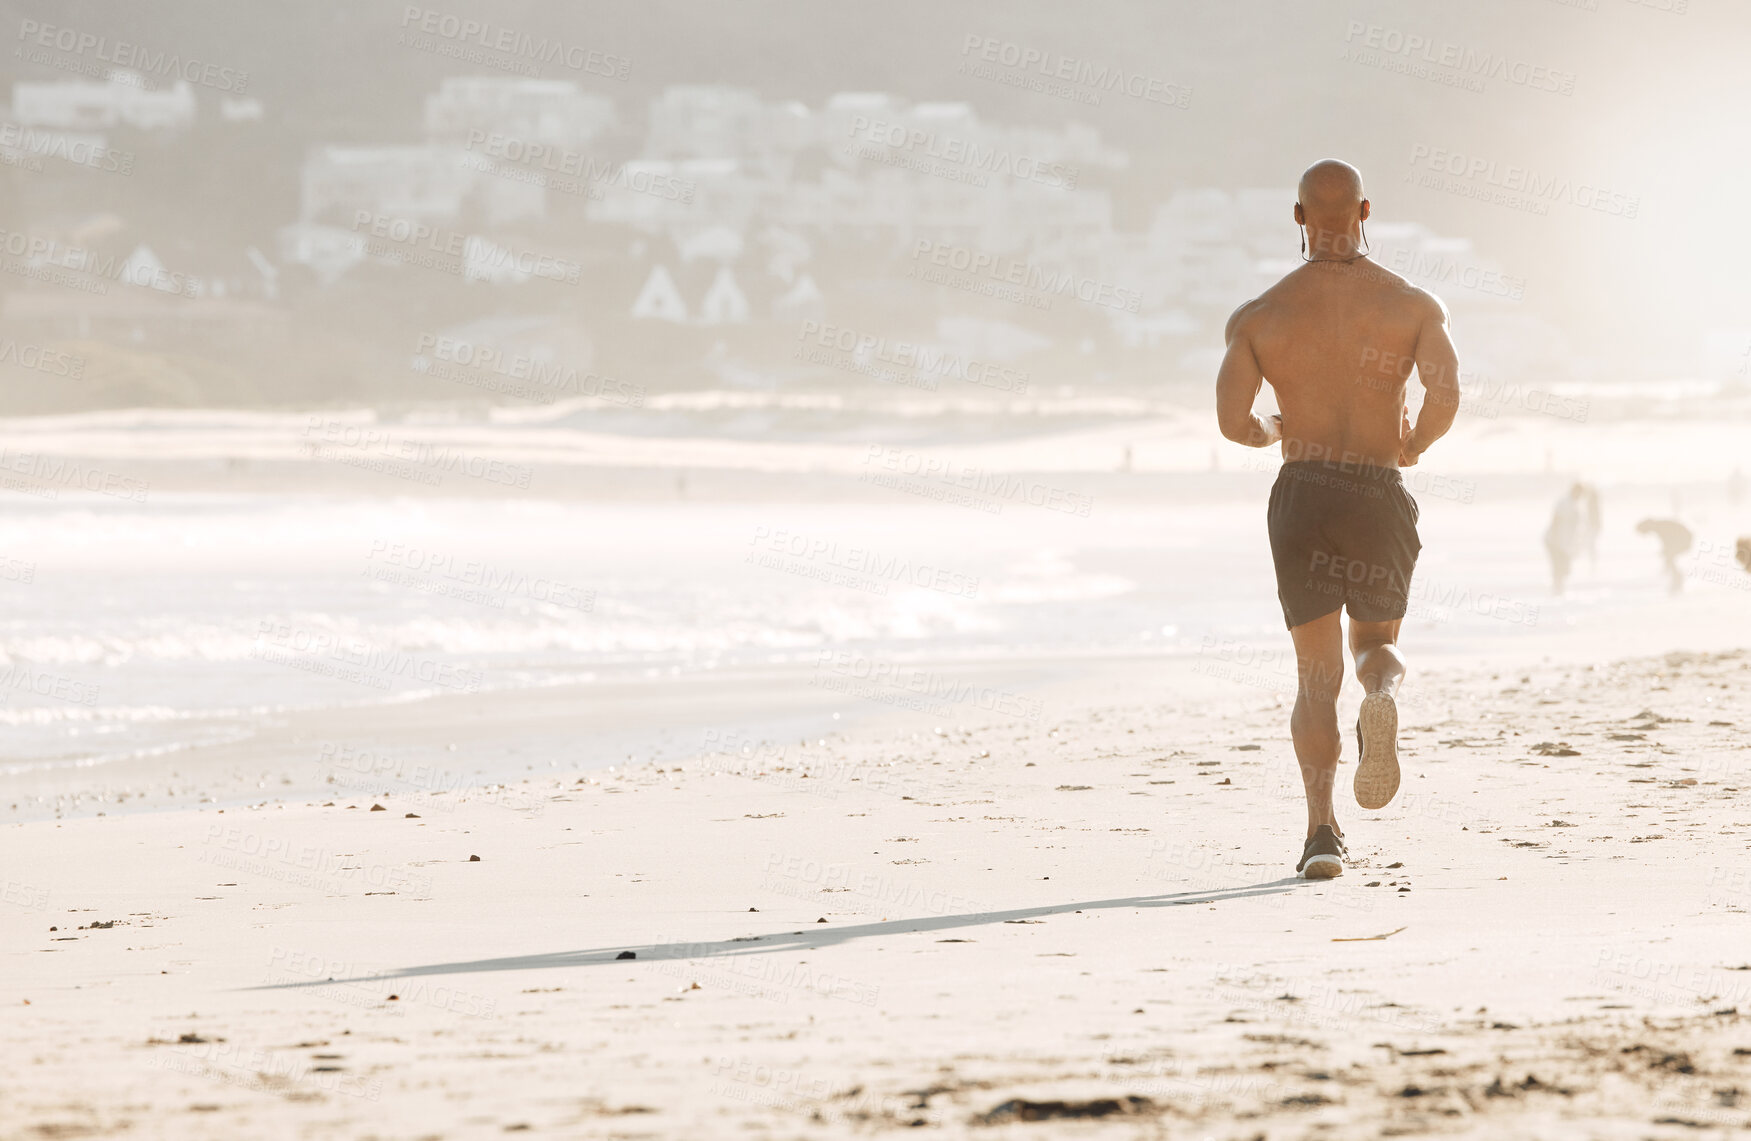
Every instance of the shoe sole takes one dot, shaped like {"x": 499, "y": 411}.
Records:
{"x": 1377, "y": 773}
{"x": 1322, "y": 868}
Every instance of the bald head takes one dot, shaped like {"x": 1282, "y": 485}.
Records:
{"x": 1331, "y": 191}
{"x": 1331, "y": 205}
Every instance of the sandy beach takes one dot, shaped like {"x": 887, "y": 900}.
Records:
{"x": 773, "y": 571}
{"x": 1542, "y": 936}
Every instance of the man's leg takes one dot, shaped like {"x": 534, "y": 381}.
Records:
{"x": 1380, "y": 668}
{"x": 1379, "y": 664}
{"x": 1319, "y": 660}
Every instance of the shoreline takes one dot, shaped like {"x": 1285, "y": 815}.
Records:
{"x": 651, "y": 714}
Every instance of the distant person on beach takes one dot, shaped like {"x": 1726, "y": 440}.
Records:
{"x": 1591, "y": 524}
{"x": 1566, "y": 535}
{"x": 1336, "y": 340}
{"x": 1675, "y": 539}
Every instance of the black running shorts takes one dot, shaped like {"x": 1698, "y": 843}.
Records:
{"x": 1342, "y": 535}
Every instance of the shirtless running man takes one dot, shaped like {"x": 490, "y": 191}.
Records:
{"x": 1336, "y": 339}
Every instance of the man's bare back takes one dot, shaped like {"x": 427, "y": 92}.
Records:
{"x": 1336, "y": 341}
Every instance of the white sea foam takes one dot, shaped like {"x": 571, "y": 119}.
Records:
{"x": 170, "y": 618}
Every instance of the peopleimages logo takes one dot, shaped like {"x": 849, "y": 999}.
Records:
{"x": 968, "y": 154}
{"x": 40, "y": 253}
{"x": 928, "y": 360}
{"x": 1098, "y": 78}
{"x": 986, "y": 490}
{"x": 1487, "y": 65}
{"x": 55, "y": 472}
{"x": 413, "y": 242}
{"x": 521, "y": 45}
{"x": 39, "y": 359}
{"x": 1521, "y": 180}
{"x": 574, "y": 171}
{"x": 72, "y": 148}
{"x": 131, "y": 57}
{"x": 1025, "y": 275}
{"x": 429, "y": 563}
{"x": 817, "y": 557}
{"x": 361, "y": 445}
{"x": 545, "y": 377}
{"x": 1439, "y": 269}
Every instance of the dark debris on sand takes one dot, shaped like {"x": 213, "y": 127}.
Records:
{"x": 1021, "y": 1109}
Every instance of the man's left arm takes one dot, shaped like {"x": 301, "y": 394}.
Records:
{"x": 1438, "y": 368}
{"x": 1237, "y": 385}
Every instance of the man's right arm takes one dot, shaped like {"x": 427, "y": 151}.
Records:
{"x": 1438, "y": 369}
{"x": 1238, "y": 382}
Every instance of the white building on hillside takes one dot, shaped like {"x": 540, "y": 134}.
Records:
{"x": 328, "y": 251}
{"x": 695, "y": 121}
{"x": 551, "y": 111}
{"x": 724, "y": 302}
{"x": 660, "y": 299}
{"x": 420, "y": 183}
{"x": 87, "y": 105}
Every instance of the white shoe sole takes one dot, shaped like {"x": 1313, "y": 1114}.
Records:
{"x": 1377, "y": 773}
{"x": 1322, "y": 868}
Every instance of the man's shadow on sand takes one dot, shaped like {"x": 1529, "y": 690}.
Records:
{"x": 811, "y": 938}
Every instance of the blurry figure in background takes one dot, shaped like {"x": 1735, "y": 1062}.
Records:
{"x": 1675, "y": 539}
{"x": 1564, "y": 537}
{"x": 1591, "y": 524}
{"x": 1742, "y": 552}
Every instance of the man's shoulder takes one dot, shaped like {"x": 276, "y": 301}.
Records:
{"x": 1418, "y": 300}
{"x": 1245, "y": 316}
{"x": 1283, "y": 297}
{"x": 1429, "y": 307}
{"x": 1425, "y": 304}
